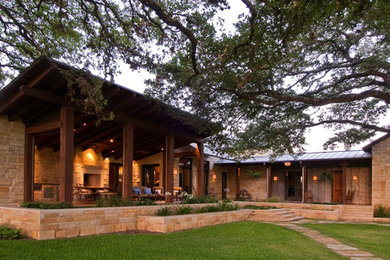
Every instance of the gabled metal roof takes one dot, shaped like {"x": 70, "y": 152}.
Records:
{"x": 368, "y": 147}
{"x": 317, "y": 156}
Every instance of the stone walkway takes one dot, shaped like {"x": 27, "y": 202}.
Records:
{"x": 331, "y": 243}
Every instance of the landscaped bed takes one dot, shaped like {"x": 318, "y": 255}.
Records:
{"x": 241, "y": 240}
{"x": 368, "y": 237}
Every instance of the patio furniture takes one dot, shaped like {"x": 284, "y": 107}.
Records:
{"x": 146, "y": 192}
{"x": 308, "y": 196}
{"x": 177, "y": 193}
{"x": 159, "y": 191}
{"x": 244, "y": 195}
{"x": 350, "y": 195}
{"x": 211, "y": 192}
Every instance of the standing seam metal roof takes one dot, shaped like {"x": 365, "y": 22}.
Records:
{"x": 317, "y": 156}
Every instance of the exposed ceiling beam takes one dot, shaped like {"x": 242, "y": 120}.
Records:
{"x": 123, "y": 118}
{"x": 44, "y": 128}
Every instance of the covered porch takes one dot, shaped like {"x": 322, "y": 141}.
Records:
{"x": 328, "y": 178}
{"x": 67, "y": 149}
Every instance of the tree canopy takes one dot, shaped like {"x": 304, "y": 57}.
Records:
{"x": 286, "y": 67}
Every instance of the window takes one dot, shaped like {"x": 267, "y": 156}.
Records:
{"x": 150, "y": 175}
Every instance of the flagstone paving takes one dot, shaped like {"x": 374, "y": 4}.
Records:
{"x": 331, "y": 243}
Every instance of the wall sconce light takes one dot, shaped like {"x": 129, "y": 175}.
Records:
{"x": 355, "y": 178}
{"x": 275, "y": 178}
{"x": 315, "y": 178}
{"x": 174, "y": 172}
{"x": 287, "y": 164}
{"x": 214, "y": 177}
{"x": 111, "y": 140}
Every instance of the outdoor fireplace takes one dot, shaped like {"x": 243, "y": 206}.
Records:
{"x": 91, "y": 179}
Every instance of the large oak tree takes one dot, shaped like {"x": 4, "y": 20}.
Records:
{"x": 286, "y": 67}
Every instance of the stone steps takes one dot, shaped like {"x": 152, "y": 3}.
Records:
{"x": 274, "y": 215}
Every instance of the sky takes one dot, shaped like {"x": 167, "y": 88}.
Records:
{"x": 315, "y": 138}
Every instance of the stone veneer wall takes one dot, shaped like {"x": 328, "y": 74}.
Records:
{"x": 257, "y": 187}
{"x": 215, "y": 182}
{"x": 381, "y": 173}
{"x": 11, "y": 161}
{"x": 46, "y": 168}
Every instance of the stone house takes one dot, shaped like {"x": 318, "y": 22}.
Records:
{"x": 342, "y": 177}
{"x": 49, "y": 147}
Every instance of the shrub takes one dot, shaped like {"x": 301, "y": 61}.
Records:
{"x": 206, "y": 209}
{"x": 222, "y": 206}
{"x": 10, "y": 233}
{"x": 46, "y": 205}
{"x": 273, "y": 199}
{"x": 144, "y": 202}
{"x": 114, "y": 201}
{"x": 118, "y": 201}
{"x": 164, "y": 211}
{"x": 381, "y": 211}
{"x": 199, "y": 200}
{"x": 183, "y": 210}
{"x": 259, "y": 207}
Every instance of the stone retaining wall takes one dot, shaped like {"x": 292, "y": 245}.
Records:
{"x": 318, "y": 214}
{"x": 61, "y": 223}
{"x": 182, "y": 222}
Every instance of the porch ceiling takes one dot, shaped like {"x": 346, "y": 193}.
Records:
{"x": 38, "y": 93}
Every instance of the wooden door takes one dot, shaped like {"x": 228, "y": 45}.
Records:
{"x": 337, "y": 194}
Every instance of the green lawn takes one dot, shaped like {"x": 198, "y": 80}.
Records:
{"x": 242, "y": 240}
{"x": 372, "y": 238}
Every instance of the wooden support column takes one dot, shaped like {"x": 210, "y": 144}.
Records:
{"x": 170, "y": 156}
{"x": 164, "y": 169}
{"x": 66, "y": 153}
{"x": 28, "y": 168}
{"x": 343, "y": 182}
{"x": 304, "y": 186}
{"x": 269, "y": 182}
{"x": 238, "y": 180}
{"x": 200, "y": 167}
{"x": 128, "y": 152}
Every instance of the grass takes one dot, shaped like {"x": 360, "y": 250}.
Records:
{"x": 240, "y": 240}
{"x": 368, "y": 237}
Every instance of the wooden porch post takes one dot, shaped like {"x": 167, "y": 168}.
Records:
{"x": 66, "y": 153}
{"x": 238, "y": 180}
{"x": 269, "y": 182}
{"x": 343, "y": 182}
{"x": 28, "y": 168}
{"x": 164, "y": 169}
{"x": 128, "y": 143}
{"x": 200, "y": 167}
{"x": 304, "y": 173}
{"x": 170, "y": 155}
